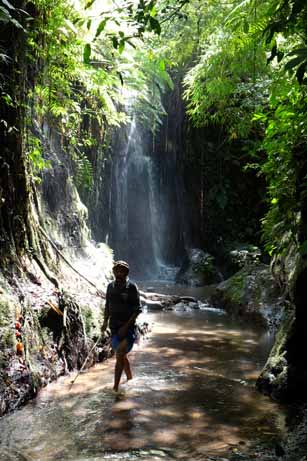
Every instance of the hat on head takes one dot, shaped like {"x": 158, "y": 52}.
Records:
{"x": 121, "y": 264}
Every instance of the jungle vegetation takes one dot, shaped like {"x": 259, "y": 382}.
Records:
{"x": 242, "y": 66}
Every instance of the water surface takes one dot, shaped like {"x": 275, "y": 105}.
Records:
{"x": 192, "y": 397}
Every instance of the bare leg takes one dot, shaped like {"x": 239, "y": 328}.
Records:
{"x": 120, "y": 363}
{"x": 127, "y": 368}
{"x": 119, "y": 366}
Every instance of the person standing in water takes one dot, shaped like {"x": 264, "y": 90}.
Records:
{"x": 121, "y": 310}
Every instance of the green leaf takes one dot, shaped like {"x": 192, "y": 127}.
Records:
{"x": 71, "y": 26}
{"x": 273, "y": 53}
{"x": 294, "y": 62}
{"x": 301, "y": 72}
{"x": 6, "y": 3}
{"x": 4, "y": 15}
{"x": 121, "y": 46}
{"x": 153, "y": 11}
{"x": 87, "y": 53}
{"x": 162, "y": 64}
{"x": 154, "y": 25}
{"x": 131, "y": 44}
{"x": 89, "y": 4}
{"x": 299, "y": 52}
{"x": 17, "y": 24}
{"x": 120, "y": 77}
{"x": 260, "y": 116}
{"x": 101, "y": 27}
{"x": 115, "y": 42}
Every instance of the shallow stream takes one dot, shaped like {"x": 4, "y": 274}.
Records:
{"x": 193, "y": 397}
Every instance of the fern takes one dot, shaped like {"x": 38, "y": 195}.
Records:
{"x": 83, "y": 176}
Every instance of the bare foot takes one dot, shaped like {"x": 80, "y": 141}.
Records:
{"x": 119, "y": 394}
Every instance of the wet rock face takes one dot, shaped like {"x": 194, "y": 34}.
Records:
{"x": 273, "y": 379}
{"x": 284, "y": 376}
{"x": 19, "y": 377}
{"x": 198, "y": 269}
{"x": 53, "y": 341}
{"x": 252, "y": 294}
{"x": 295, "y": 447}
{"x": 7, "y": 343}
{"x": 72, "y": 342}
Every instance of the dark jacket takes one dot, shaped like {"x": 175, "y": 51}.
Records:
{"x": 121, "y": 303}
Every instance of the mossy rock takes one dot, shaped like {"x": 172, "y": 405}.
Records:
{"x": 250, "y": 293}
{"x": 198, "y": 269}
{"x": 88, "y": 319}
{"x": 235, "y": 288}
{"x": 7, "y": 318}
{"x": 273, "y": 379}
{"x": 93, "y": 318}
{"x": 6, "y": 311}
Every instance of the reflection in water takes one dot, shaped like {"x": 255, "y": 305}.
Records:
{"x": 193, "y": 397}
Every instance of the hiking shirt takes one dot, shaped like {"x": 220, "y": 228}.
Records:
{"x": 122, "y": 301}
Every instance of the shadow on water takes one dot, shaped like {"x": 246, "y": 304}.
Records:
{"x": 193, "y": 397}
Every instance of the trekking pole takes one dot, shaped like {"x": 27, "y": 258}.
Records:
{"x": 73, "y": 381}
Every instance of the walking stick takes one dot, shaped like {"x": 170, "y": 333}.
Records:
{"x": 73, "y": 381}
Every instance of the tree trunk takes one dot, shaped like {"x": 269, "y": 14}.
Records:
{"x": 15, "y": 188}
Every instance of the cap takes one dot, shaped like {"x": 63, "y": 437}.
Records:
{"x": 121, "y": 264}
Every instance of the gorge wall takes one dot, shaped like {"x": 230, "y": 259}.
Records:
{"x": 156, "y": 195}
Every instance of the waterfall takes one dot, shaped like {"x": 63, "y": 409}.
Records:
{"x": 134, "y": 212}
{"x": 149, "y": 226}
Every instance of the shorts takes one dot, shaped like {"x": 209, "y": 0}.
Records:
{"x": 115, "y": 341}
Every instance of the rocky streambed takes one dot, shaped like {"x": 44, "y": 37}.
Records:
{"x": 47, "y": 333}
{"x": 57, "y": 329}
{"x": 192, "y": 398}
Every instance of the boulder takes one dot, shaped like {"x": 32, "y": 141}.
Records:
{"x": 153, "y": 305}
{"x": 193, "y": 305}
{"x": 251, "y": 294}
{"x": 198, "y": 269}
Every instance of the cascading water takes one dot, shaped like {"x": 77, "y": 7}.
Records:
{"x": 134, "y": 210}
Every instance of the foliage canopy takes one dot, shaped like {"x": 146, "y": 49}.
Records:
{"x": 242, "y": 64}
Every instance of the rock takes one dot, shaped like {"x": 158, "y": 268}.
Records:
{"x": 165, "y": 300}
{"x": 193, "y": 305}
{"x": 240, "y": 255}
{"x": 198, "y": 269}
{"x": 294, "y": 446}
{"x": 154, "y": 305}
{"x": 273, "y": 379}
{"x": 252, "y": 294}
{"x": 3, "y": 407}
{"x": 188, "y": 298}
{"x": 180, "y": 306}
{"x": 284, "y": 376}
